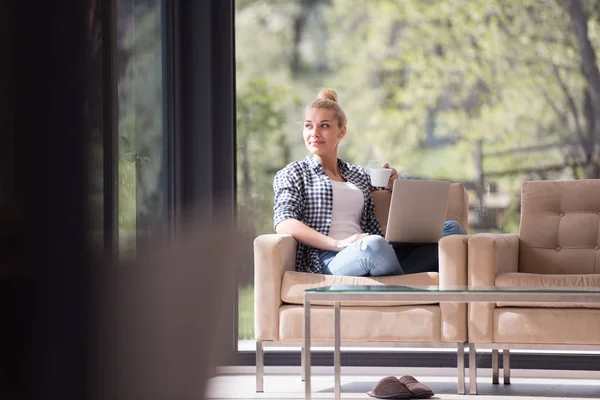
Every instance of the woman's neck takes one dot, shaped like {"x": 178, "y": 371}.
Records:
{"x": 329, "y": 163}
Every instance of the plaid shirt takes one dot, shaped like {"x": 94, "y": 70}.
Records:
{"x": 303, "y": 192}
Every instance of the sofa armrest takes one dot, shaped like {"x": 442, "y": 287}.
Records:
{"x": 273, "y": 256}
{"x": 488, "y": 255}
{"x": 453, "y": 272}
{"x": 492, "y": 254}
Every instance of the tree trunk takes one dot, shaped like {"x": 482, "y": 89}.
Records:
{"x": 306, "y": 6}
{"x": 479, "y": 175}
{"x": 245, "y": 172}
{"x": 590, "y": 70}
{"x": 298, "y": 29}
{"x": 592, "y": 170}
{"x": 286, "y": 152}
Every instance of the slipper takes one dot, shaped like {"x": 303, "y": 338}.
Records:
{"x": 418, "y": 390}
{"x": 390, "y": 388}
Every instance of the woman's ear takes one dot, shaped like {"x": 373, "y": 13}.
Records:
{"x": 343, "y": 131}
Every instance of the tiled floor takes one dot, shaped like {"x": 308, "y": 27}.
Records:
{"x": 354, "y": 386}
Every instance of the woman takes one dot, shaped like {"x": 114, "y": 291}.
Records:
{"x": 326, "y": 205}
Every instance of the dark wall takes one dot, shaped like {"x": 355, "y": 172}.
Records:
{"x": 42, "y": 272}
{"x": 46, "y": 108}
{"x": 7, "y": 69}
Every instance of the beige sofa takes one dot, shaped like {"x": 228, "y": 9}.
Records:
{"x": 279, "y": 289}
{"x": 558, "y": 245}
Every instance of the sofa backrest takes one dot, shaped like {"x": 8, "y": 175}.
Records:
{"x": 458, "y": 205}
{"x": 560, "y": 227}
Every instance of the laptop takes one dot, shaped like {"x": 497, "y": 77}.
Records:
{"x": 417, "y": 211}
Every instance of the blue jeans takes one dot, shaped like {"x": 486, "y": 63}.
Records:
{"x": 373, "y": 255}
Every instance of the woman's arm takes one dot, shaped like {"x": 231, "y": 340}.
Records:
{"x": 312, "y": 238}
{"x": 306, "y": 235}
{"x": 369, "y": 223}
{"x": 289, "y": 209}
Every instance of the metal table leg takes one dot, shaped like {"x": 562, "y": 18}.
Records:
{"x": 336, "y": 350}
{"x": 460, "y": 364}
{"x": 472, "y": 369}
{"x": 260, "y": 366}
{"x": 307, "y": 388}
{"x": 506, "y": 366}
{"x": 302, "y": 364}
{"x": 495, "y": 366}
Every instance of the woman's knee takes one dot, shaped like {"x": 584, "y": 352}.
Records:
{"x": 383, "y": 256}
{"x": 375, "y": 242}
{"x": 452, "y": 227}
{"x": 388, "y": 265}
{"x": 378, "y": 247}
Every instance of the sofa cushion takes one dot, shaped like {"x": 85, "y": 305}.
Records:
{"x": 363, "y": 324}
{"x": 295, "y": 283}
{"x": 546, "y": 326}
{"x": 517, "y": 279}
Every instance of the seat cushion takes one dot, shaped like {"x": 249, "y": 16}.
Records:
{"x": 295, "y": 283}
{"x": 363, "y": 324}
{"x": 546, "y": 326}
{"x": 516, "y": 279}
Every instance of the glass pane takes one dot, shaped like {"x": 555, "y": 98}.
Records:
{"x": 488, "y": 93}
{"x": 93, "y": 111}
{"x": 139, "y": 68}
{"x": 459, "y": 289}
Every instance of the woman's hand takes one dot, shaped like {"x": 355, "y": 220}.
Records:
{"x": 351, "y": 239}
{"x": 393, "y": 177}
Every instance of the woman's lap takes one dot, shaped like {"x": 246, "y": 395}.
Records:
{"x": 372, "y": 255}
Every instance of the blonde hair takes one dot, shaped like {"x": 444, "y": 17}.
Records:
{"x": 327, "y": 99}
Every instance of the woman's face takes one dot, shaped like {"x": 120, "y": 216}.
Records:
{"x": 321, "y": 132}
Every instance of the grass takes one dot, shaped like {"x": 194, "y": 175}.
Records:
{"x": 246, "y": 313}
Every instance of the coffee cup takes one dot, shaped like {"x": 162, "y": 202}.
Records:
{"x": 380, "y": 177}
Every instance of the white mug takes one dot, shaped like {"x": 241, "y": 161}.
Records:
{"x": 380, "y": 177}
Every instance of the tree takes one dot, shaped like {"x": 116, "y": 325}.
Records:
{"x": 588, "y": 136}
{"x": 139, "y": 59}
{"x": 262, "y": 148}
{"x": 472, "y": 70}
{"x": 427, "y": 84}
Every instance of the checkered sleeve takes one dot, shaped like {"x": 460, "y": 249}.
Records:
{"x": 288, "y": 197}
{"x": 371, "y": 224}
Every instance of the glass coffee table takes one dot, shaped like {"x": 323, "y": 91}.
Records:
{"x": 338, "y": 294}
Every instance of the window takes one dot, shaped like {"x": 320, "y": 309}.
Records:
{"x": 486, "y": 93}
{"x": 95, "y": 125}
{"x": 140, "y": 126}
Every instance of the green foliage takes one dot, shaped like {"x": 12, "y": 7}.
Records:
{"x": 140, "y": 123}
{"x": 421, "y": 82}
{"x": 246, "y": 313}
{"x": 262, "y": 145}
{"x": 127, "y": 207}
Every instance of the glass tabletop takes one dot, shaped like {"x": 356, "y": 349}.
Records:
{"x": 452, "y": 289}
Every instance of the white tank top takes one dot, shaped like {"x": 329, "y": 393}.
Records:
{"x": 348, "y": 204}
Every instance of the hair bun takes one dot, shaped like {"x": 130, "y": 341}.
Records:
{"x": 327, "y": 94}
